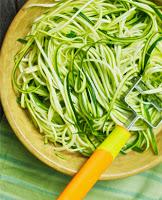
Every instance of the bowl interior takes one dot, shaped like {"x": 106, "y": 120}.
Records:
{"x": 23, "y": 127}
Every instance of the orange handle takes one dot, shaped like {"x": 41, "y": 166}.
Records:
{"x": 87, "y": 176}
{"x": 99, "y": 161}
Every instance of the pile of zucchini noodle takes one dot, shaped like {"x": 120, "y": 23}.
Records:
{"x": 76, "y": 64}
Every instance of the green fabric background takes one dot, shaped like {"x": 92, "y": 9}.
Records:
{"x": 23, "y": 177}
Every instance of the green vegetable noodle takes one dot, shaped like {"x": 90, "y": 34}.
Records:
{"x": 76, "y": 64}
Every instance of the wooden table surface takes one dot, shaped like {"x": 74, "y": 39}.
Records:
{"x": 8, "y": 9}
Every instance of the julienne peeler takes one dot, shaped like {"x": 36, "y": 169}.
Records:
{"x": 104, "y": 155}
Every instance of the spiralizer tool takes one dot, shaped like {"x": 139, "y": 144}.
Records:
{"x": 104, "y": 155}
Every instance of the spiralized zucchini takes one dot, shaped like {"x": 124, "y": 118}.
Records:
{"x": 78, "y": 61}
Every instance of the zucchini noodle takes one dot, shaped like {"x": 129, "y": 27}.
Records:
{"x": 77, "y": 63}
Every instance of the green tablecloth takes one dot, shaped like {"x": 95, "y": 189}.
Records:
{"x": 23, "y": 177}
